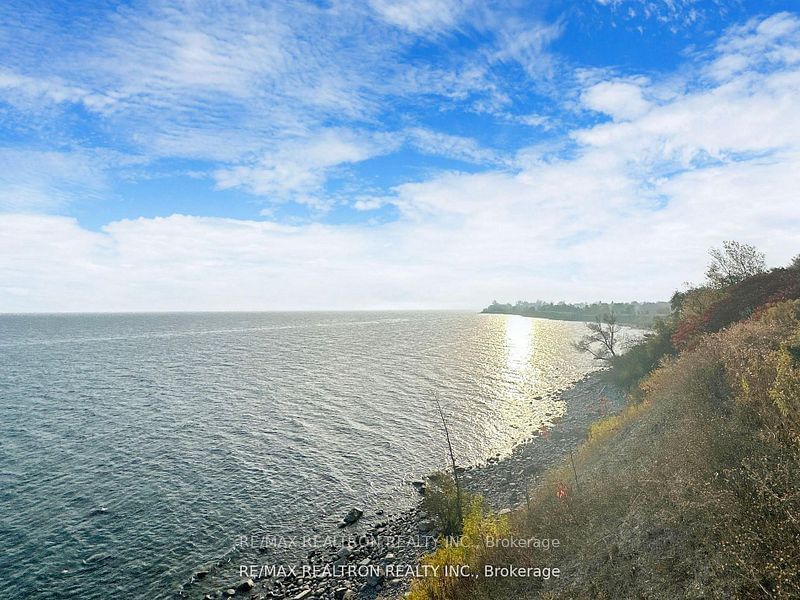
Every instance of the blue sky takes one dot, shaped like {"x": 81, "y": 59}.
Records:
{"x": 407, "y": 154}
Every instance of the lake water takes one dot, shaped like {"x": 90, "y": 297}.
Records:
{"x": 137, "y": 449}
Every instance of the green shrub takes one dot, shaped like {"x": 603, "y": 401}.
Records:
{"x": 441, "y": 502}
{"x": 471, "y": 550}
{"x": 760, "y": 517}
{"x": 628, "y": 369}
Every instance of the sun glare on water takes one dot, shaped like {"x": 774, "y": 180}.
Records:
{"x": 519, "y": 342}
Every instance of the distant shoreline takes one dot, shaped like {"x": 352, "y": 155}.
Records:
{"x": 644, "y": 322}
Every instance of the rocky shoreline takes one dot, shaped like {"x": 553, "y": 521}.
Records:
{"x": 379, "y": 561}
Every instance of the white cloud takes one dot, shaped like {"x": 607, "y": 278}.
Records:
{"x": 451, "y": 146}
{"x": 765, "y": 42}
{"x": 525, "y": 42}
{"x": 366, "y": 203}
{"x": 33, "y": 180}
{"x": 22, "y": 90}
{"x": 622, "y": 100}
{"x": 673, "y": 12}
{"x": 535, "y": 120}
{"x": 300, "y": 166}
{"x": 739, "y": 116}
{"x": 419, "y": 16}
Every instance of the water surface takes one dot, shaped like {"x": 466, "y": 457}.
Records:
{"x": 135, "y": 449}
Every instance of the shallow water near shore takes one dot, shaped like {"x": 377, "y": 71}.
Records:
{"x": 137, "y": 449}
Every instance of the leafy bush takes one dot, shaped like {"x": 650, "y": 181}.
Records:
{"x": 762, "y": 372}
{"x": 759, "y": 515}
{"x": 441, "y": 502}
{"x": 629, "y": 368}
{"x": 748, "y": 295}
{"x": 738, "y": 302}
{"x": 471, "y": 550}
{"x": 785, "y": 395}
{"x": 696, "y": 301}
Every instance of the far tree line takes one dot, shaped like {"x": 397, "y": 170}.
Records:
{"x": 631, "y": 313}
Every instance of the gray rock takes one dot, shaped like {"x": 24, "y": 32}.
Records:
{"x": 374, "y": 580}
{"x": 425, "y": 525}
{"x": 353, "y": 515}
{"x": 339, "y": 593}
{"x": 246, "y": 586}
{"x": 344, "y": 552}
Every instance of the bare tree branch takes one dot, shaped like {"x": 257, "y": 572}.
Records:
{"x": 452, "y": 459}
{"x": 601, "y": 341}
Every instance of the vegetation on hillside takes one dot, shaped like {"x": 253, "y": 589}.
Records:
{"x": 693, "y": 491}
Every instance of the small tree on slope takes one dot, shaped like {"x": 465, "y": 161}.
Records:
{"x": 601, "y": 341}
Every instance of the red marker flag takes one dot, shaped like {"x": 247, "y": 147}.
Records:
{"x": 561, "y": 491}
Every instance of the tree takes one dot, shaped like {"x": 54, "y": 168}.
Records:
{"x": 601, "y": 341}
{"x": 733, "y": 263}
{"x": 459, "y": 515}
